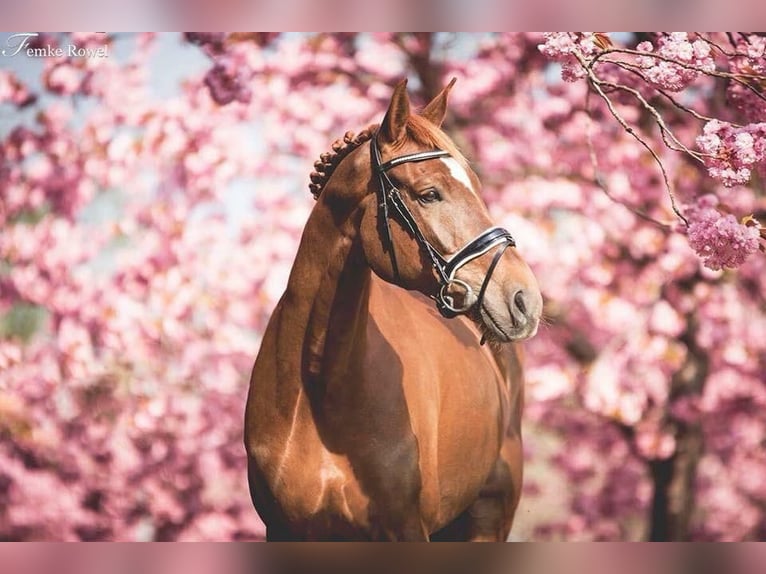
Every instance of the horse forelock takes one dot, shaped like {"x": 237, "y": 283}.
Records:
{"x": 424, "y": 133}
{"x": 419, "y": 130}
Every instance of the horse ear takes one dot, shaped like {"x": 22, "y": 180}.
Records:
{"x": 395, "y": 121}
{"x": 436, "y": 109}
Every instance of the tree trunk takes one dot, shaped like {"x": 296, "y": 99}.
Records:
{"x": 673, "y": 479}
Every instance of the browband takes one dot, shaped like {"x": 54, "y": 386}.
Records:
{"x": 419, "y": 156}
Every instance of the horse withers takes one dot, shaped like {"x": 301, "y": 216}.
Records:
{"x": 375, "y": 410}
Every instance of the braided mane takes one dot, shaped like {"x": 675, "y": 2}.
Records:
{"x": 327, "y": 162}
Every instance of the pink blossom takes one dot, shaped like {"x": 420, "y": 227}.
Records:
{"x": 654, "y": 443}
{"x": 732, "y": 153}
{"x": 751, "y": 60}
{"x": 56, "y": 115}
{"x": 688, "y": 58}
{"x": 12, "y": 90}
{"x": 227, "y": 85}
{"x": 564, "y": 47}
{"x": 63, "y": 78}
{"x": 206, "y": 38}
{"x": 10, "y": 354}
{"x": 74, "y": 343}
{"x": 548, "y": 383}
{"x": 665, "y": 320}
{"x": 719, "y": 239}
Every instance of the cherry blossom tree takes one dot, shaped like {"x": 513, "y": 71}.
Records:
{"x": 146, "y": 239}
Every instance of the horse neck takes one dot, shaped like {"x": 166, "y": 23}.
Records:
{"x": 327, "y": 297}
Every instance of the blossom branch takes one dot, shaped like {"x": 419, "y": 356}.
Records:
{"x": 636, "y": 70}
{"x": 738, "y": 77}
{"x": 597, "y": 84}
{"x": 720, "y": 48}
{"x": 729, "y": 151}
{"x": 665, "y": 131}
{"x": 599, "y": 179}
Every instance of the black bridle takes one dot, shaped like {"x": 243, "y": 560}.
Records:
{"x": 446, "y": 269}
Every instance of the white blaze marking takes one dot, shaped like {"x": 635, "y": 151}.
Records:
{"x": 458, "y": 173}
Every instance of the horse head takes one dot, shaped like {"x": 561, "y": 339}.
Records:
{"x": 424, "y": 226}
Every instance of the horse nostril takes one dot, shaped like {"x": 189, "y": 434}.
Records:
{"x": 518, "y": 300}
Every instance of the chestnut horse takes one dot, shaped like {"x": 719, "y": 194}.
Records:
{"x": 373, "y": 414}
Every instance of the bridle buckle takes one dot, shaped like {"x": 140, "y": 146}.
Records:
{"x": 446, "y": 302}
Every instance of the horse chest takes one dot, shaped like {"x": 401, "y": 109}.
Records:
{"x": 450, "y": 396}
{"x": 401, "y": 440}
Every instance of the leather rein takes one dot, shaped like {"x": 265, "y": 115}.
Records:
{"x": 446, "y": 268}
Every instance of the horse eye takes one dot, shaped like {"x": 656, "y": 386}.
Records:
{"x": 429, "y": 196}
